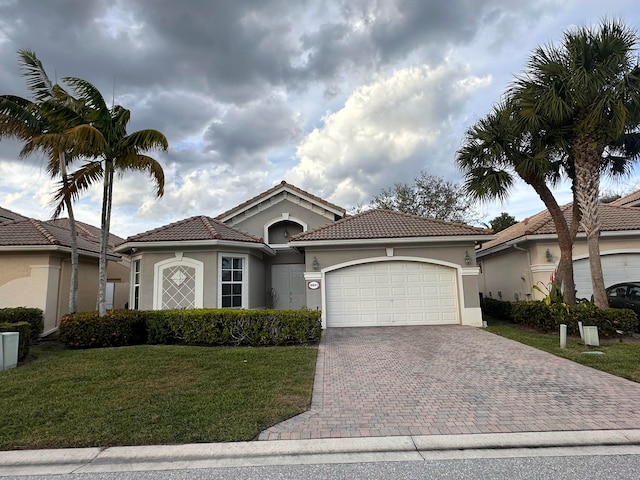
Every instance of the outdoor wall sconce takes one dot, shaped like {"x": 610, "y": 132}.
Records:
{"x": 467, "y": 258}
{"x": 315, "y": 265}
{"x": 286, "y": 233}
{"x": 549, "y": 256}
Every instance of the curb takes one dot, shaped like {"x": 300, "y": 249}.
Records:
{"x": 283, "y": 452}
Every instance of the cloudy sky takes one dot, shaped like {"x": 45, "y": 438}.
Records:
{"x": 341, "y": 98}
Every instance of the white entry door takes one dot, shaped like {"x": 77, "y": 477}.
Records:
{"x": 392, "y": 293}
{"x": 288, "y": 285}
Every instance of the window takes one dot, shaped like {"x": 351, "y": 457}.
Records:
{"x": 232, "y": 280}
{"x": 135, "y": 297}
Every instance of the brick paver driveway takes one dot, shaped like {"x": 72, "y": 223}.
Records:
{"x": 452, "y": 379}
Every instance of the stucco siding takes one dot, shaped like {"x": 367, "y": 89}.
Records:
{"x": 255, "y": 220}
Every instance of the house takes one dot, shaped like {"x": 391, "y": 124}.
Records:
{"x": 286, "y": 248}
{"x": 35, "y": 267}
{"x": 527, "y": 253}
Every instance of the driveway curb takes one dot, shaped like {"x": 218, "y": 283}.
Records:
{"x": 283, "y": 452}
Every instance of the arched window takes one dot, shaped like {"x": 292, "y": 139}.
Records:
{"x": 178, "y": 283}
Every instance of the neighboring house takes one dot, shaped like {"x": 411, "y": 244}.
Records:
{"x": 286, "y": 248}
{"x": 527, "y": 253}
{"x": 35, "y": 267}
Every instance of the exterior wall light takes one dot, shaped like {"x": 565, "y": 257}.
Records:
{"x": 315, "y": 265}
{"x": 467, "y": 257}
{"x": 286, "y": 233}
{"x": 549, "y": 256}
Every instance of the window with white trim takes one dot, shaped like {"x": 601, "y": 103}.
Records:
{"x": 233, "y": 281}
{"x": 135, "y": 282}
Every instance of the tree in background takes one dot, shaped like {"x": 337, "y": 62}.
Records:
{"x": 428, "y": 196}
{"x": 587, "y": 91}
{"x": 502, "y": 221}
{"x": 53, "y": 124}
{"x": 119, "y": 152}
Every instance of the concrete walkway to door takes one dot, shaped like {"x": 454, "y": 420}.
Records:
{"x": 435, "y": 380}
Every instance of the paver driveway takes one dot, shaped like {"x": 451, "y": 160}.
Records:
{"x": 452, "y": 379}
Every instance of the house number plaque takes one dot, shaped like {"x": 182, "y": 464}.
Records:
{"x": 314, "y": 285}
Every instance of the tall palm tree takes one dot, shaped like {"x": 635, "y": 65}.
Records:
{"x": 118, "y": 152}
{"x": 53, "y": 124}
{"x": 589, "y": 87}
{"x": 495, "y": 152}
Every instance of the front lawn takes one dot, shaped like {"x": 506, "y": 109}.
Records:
{"x": 148, "y": 394}
{"x": 618, "y": 358}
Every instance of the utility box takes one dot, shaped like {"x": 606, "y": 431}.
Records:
{"x": 9, "y": 349}
{"x": 591, "y": 336}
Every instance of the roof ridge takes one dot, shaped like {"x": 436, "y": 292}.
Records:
{"x": 163, "y": 227}
{"x": 44, "y": 232}
{"x": 282, "y": 184}
{"x": 207, "y": 224}
{"x": 237, "y": 230}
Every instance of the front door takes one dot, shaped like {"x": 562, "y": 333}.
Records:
{"x": 288, "y": 285}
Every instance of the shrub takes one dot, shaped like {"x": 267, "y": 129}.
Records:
{"x": 533, "y": 314}
{"x": 497, "y": 308}
{"x": 24, "y": 314}
{"x": 608, "y": 320}
{"x": 24, "y": 341}
{"x": 234, "y": 327}
{"x": 196, "y": 327}
{"x": 115, "y": 329}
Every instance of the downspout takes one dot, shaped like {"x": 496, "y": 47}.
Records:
{"x": 516, "y": 247}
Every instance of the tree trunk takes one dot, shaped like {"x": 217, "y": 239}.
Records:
{"x": 107, "y": 192}
{"x": 565, "y": 241}
{"x": 587, "y": 161}
{"x": 73, "y": 283}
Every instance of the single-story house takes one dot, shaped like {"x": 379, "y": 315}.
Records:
{"x": 527, "y": 253}
{"x": 35, "y": 267}
{"x": 286, "y": 248}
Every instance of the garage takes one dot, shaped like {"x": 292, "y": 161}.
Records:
{"x": 391, "y": 293}
{"x": 616, "y": 268}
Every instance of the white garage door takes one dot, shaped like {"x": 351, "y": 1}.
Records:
{"x": 391, "y": 293}
{"x": 616, "y": 268}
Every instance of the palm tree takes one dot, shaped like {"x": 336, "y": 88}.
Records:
{"x": 588, "y": 90}
{"x": 495, "y": 152}
{"x": 118, "y": 152}
{"x": 52, "y": 124}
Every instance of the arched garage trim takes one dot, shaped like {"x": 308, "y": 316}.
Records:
{"x": 431, "y": 261}
{"x": 608, "y": 252}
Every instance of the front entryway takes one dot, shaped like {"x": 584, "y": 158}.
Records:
{"x": 288, "y": 286}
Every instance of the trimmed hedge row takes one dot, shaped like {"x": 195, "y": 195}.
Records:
{"x": 24, "y": 341}
{"x": 24, "y": 314}
{"x": 542, "y": 317}
{"x": 195, "y": 327}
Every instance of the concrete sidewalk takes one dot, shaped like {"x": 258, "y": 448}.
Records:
{"x": 288, "y": 452}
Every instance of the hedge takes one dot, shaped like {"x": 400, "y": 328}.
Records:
{"x": 24, "y": 314}
{"x": 24, "y": 341}
{"x": 195, "y": 327}
{"x": 117, "y": 328}
{"x": 542, "y": 317}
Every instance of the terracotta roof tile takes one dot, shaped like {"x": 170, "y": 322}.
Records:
{"x": 387, "y": 224}
{"x": 194, "y": 228}
{"x": 613, "y": 218}
{"x": 37, "y": 233}
{"x": 266, "y": 194}
{"x": 9, "y": 216}
{"x": 628, "y": 200}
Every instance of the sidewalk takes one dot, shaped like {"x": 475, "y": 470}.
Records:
{"x": 287, "y": 452}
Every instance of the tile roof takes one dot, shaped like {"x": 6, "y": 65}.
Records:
{"x": 377, "y": 223}
{"x": 266, "y": 194}
{"x": 613, "y": 218}
{"x": 50, "y": 233}
{"x": 9, "y": 216}
{"x": 628, "y": 200}
{"x": 199, "y": 227}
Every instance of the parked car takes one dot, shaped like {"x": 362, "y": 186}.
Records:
{"x": 625, "y": 295}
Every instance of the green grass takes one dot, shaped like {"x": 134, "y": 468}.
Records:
{"x": 151, "y": 395}
{"x": 619, "y": 358}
